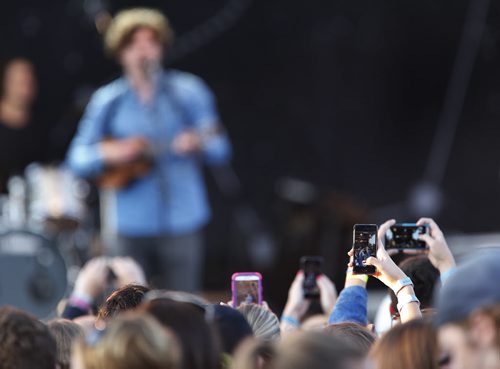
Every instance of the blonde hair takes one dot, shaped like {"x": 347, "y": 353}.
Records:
{"x": 126, "y": 22}
{"x": 265, "y": 324}
{"x": 131, "y": 341}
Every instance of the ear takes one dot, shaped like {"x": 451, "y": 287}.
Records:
{"x": 482, "y": 330}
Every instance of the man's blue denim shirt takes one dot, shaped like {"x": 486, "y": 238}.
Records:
{"x": 170, "y": 199}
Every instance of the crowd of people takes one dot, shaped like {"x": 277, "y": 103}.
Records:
{"x": 443, "y": 316}
{"x": 437, "y": 315}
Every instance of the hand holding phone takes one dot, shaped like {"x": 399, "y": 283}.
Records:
{"x": 328, "y": 293}
{"x": 386, "y": 269}
{"x": 311, "y": 267}
{"x": 406, "y": 236}
{"x": 439, "y": 253}
{"x": 296, "y": 305}
{"x": 246, "y": 288}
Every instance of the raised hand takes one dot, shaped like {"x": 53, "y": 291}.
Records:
{"x": 439, "y": 253}
{"x": 327, "y": 293}
{"x": 92, "y": 279}
{"x": 127, "y": 271}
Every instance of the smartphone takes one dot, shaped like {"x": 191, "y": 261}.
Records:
{"x": 246, "y": 288}
{"x": 364, "y": 245}
{"x": 311, "y": 266}
{"x": 404, "y": 236}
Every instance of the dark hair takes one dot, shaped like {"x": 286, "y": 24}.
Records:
{"x": 200, "y": 349}
{"x": 123, "y": 299}
{"x": 65, "y": 332}
{"x": 232, "y": 326}
{"x": 411, "y": 345}
{"x": 424, "y": 277}
{"x": 25, "y": 342}
{"x": 353, "y": 333}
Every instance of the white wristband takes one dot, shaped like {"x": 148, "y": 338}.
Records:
{"x": 402, "y": 283}
{"x": 405, "y": 300}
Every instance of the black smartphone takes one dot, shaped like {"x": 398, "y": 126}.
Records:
{"x": 311, "y": 266}
{"x": 404, "y": 236}
{"x": 364, "y": 245}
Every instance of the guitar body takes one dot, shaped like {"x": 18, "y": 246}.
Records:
{"x": 120, "y": 176}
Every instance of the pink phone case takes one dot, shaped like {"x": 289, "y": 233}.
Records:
{"x": 233, "y": 285}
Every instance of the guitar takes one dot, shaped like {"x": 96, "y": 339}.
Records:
{"x": 119, "y": 176}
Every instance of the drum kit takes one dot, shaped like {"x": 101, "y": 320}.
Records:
{"x": 44, "y": 237}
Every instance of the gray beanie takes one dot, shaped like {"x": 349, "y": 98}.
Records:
{"x": 475, "y": 284}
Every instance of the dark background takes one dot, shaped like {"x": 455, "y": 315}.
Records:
{"x": 343, "y": 94}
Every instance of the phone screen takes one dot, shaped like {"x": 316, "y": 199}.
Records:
{"x": 246, "y": 290}
{"x": 365, "y": 245}
{"x": 311, "y": 266}
{"x": 405, "y": 236}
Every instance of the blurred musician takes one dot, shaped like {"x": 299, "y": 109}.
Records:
{"x": 143, "y": 138}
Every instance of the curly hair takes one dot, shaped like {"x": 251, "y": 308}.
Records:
{"x": 25, "y": 342}
{"x": 126, "y": 22}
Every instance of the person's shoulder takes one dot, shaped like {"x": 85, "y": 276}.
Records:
{"x": 110, "y": 92}
{"x": 184, "y": 82}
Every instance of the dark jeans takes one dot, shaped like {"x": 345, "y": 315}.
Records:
{"x": 170, "y": 262}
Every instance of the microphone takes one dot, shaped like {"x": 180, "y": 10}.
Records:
{"x": 150, "y": 68}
